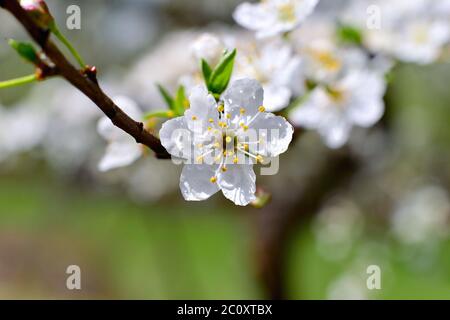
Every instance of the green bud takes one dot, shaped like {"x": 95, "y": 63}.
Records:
{"x": 25, "y": 50}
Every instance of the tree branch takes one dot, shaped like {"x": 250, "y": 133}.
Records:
{"x": 84, "y": 80}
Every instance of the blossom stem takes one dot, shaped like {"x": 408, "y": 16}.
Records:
{"x": 55, "y": 30}
{"x": 88, "y": 85}
{"x": 18, "y": 81}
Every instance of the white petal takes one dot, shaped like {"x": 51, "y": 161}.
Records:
{"x": 336, "y": 134}
{"x": 274, "y": 132}
{"x": 254, "y": 16}
{"x": 203, "y": 107}
{"x": 238, "y": 184}
{"x": 177, "y": 138}
{"x": 276, "y": 97}
{"x": 368, "y": 113}
{"x": 305, "y": 8}
{"x": 366, "y": 106}
{"x": 120, "y": 155}
{"x": 309, "y": 114}
{"x": 195, "y": 183}
{"x": 243, "y": 93}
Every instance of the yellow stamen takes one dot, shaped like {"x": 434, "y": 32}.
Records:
{"x": 242, "y": 111}
{"x": 211, "y": 120}
{"x": 224, "y": 169}
{"x": 220, "y": 108}
{"x": 261, "y": 109}
{"x": 235, "y": 160}
{"x": 213, "y": 179}
{"x": 194, "y": 118}
{"x": 259, "y": 158}
{"x": 228, "y": 116}
{"x": 228, "y": 139}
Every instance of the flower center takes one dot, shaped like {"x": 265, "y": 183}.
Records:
{"x": 286, "y": 12}
{"x": 230, "y": 144}
{"x": 327, "y": 60}
{"x": 337, "y": 95}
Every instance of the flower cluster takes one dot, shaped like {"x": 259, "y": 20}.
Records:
{"x": 324, "y": 71}
{"x": 323, "y": 68}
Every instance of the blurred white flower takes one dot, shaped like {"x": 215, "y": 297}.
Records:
{"x": 220, "y": 155}
{"x": 411, "y": 31}
{"x": 272, "y": 17}
{"x": 336, "y": 229}
{"x": 348, "y": 287}
{"x": 209, "y": 47}
{"x": 21, "y": 129}
{"x": 356, "y": 99}
{"x": 122, "y": 149}
{"x": 275, "y": 66}
{"x": 422, "y": 216}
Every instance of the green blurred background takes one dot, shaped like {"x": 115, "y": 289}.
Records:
{"x": 134, "y": 246}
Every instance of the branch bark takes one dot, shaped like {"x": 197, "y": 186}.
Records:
{"x": 85, "y": 81}
{"x": 277, "y": 223}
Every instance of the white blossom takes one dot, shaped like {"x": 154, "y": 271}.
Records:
{"x": 122, "y": 149}
{"x": 422, "y": 215}
{"x": 410, "y": 31}
{"x": 275, "y": 66}
{"x": 209, "y": 47}
{"x": 272, "y": 17}
{"x": 356, "y": 99}
{"x": 21, "y": 129}
{"x": 218, "y": 144}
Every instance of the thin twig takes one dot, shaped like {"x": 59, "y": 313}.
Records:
{"x": 85, "y": 81}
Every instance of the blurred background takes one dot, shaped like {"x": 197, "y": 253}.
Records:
{"x": 382, "y": 200}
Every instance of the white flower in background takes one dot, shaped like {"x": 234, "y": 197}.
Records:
{"x": 422, "y": 216}
{"x": 411, "y": 31}
{"x": 356, "y": 99}
{"x": 122, "y": 149}
{"x": 21, "y": 129}
{"x": 220, "y": 150}
{"x": 272, "y": 17}
{"x": 421, "y": 41}
{"x": 273, "y": 65}
{"x": 324, "y": 59}
{"x": 208, "y": 47}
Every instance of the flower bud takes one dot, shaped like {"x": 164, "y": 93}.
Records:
{"x": 38, "y": 11}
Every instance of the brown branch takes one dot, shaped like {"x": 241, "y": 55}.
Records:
{"x": 85, "y": 81}
{"x": 277, "y": 223}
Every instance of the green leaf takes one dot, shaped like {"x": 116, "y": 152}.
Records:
{"x": 221, "y": 75}
{"x": 349, "y": 35}
{"x": 167, "y": 97}
{"x": 159, "y": 114}
{"x": 206, "y": 70}
{"x": 181, "y": 102}
{"x": 25, "y": 50}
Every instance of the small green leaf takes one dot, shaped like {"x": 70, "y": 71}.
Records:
{"x": 167, "y": 97}
{"x": 25, "y": 50}
{"x": 206, "y": 70}
{"x": 159, "y": 114}
{"x": 349, "y": 35}
{"x": 181, "y": 102}
{"x": 221, "y": 75}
